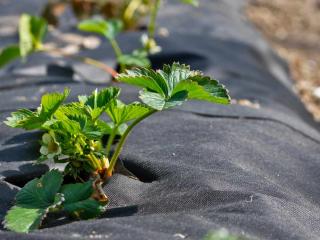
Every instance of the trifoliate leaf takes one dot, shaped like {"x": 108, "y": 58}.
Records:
{"x": 107, "y": 28}
{"x": 122, "y": 113}
{"x": 33, "y": 201}
{"x": 174, "y": 84}
{"x": 9, "y": 54}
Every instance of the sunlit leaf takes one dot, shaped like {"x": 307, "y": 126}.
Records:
{"x": 173, "y": 85}
{"x": 33, "y": 201}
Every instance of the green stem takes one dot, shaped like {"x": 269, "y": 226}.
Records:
{"x": 153, "y": 18}
{"x": 119, "y": 147}
{"x": 110, "y": 140}
{"x": 118, "y": 52}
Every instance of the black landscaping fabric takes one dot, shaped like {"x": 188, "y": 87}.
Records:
{"x": 201, "y": 166}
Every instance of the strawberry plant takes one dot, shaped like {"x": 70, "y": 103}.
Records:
{"x": 111, "y": 28}
{"x": 73, "y": 133}
{"x": 32, "y": 31}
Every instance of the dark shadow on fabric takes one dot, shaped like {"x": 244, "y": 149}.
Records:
{"x": 24, "y": 174}
{"x": 60, "y": 71}
{"x": 24, "y": 137}
{"x": 143, "y": 174}
{"x": 120, "y": 212}
{"x": 25, "y": 152}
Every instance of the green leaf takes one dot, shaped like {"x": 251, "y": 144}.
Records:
{"x": 76, "y": 192}
{"x": 78, "y": 202}
{"x": 153, "y": 100}
{"x": 173, "y": 85}
{"x": 50, "y": 102}
{"x": 33, "y": 201}
{"x": 21, "y": 219}
{"x": 98, "y": 102}
{"x": 121, "y": 113}
{"x": 206, "y": 89}
{"x": 194, "y": 3}
{"x": 85, "y": 209}
{"x": 24, "y": 118}
{"x": 38, "y": 30}
{"x": 9, "y": 54}
{"x": 32, "y": 30}
{"x": 40, "y": 193}
{"x": 136, "y": 59}
{"x": 146, "y": 78}
{"x": 26, "y": 41}
{"x": 18, "y": 119}
{"x": 108, "y": 28}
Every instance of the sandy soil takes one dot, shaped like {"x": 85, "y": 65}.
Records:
{"x": 293, "y": 29}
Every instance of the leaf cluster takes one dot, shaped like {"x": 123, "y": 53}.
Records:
{"x": 48, "y": 194}
{"x": 73, "y": 134}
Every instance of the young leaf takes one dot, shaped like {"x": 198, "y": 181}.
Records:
{"x": 33, "y": 201}
{"x": 29, "y": 120}
{"x": 50, "y": 102}
{"x": 121, "y": 113}
{"x": 174, "y": 84}
{"x": 98, "y": 102}
{"x": 108, "y": 29}
{"x": 9, "y": 54}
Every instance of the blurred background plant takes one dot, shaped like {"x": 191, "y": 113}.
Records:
{"x": 130, "y": 12}
{"x": 103, "y": 17}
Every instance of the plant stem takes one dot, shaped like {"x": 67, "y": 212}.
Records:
{"x": 153, "y": 18}
{"x": 119, "y": 147}
{"x": 110, "y": 140}
{"x": 118, "y": 52}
